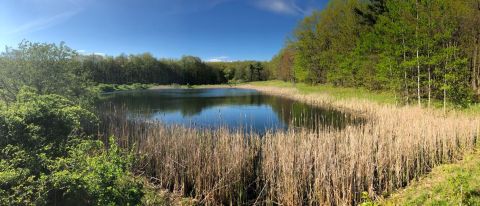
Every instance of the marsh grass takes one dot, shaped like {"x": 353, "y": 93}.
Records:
{"x": 299, "y": 167}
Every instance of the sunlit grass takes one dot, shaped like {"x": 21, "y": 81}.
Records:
{"x": 450, "y": 184}
{"x": 340, "y": 93}
{"x": 104, "y": 88}
{"x": 345, "y": 93}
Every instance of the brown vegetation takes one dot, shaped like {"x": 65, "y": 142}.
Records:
{"x": 332, "y": 167}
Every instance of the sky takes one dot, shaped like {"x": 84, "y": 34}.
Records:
{"x": 214, "y": 30}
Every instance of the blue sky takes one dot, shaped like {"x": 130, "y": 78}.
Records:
{"x": 214, "y": 30}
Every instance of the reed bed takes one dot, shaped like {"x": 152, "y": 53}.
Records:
{"x": 214, "y": 167}
{"x": 300, "y": 167}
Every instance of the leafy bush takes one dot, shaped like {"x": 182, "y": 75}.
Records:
{"x": 47, "y": 157}
{"x": 106, "y": 87}
{"x": 92, "y": 175}
{"x": 88, "y": 175}
{"x": 44, "y": 122}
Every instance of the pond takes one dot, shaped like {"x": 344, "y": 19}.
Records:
{"x": 233, "y": 108}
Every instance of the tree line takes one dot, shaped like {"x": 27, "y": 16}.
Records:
{"x": 423, "y": 50}
{"x": 144, "y": 68}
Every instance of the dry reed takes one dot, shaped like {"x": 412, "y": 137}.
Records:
{"x": 332, "y": 167}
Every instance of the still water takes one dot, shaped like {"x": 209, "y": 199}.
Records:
{"x": 226, "y": 107}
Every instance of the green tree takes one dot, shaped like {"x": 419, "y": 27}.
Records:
{"x": 49, "y": 68}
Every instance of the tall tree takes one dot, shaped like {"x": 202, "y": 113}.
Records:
{"x": 48, "y": 68}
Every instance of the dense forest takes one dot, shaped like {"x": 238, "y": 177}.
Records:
{"x": 420, "y": 49}
{"x": 144, "y": 68}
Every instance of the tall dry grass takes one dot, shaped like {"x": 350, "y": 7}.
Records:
{"x": 332, "y": 167}
{"x": 215, "y": 167}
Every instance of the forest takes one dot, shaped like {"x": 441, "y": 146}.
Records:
{"x": 144, "y": 68}
{"x": 422, "y": 50}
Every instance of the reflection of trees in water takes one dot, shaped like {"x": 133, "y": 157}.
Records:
{"x": 148, "y": 104}
{"x": 299, "y": 114}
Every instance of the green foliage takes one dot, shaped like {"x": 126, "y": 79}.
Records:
{"x": 243, "y": 71}
{"x": 421, "y": 50}
{"x": 44, "y": 122}
{"x": 99, "y": 179}
{"x": 88, "y": 175}
{"x": 281, "y": 65}
{"x": 366, "y": 200}
{"x": 146, "y": 69}
{"x": 48, "y": 68}
{"x": 47, "y": 158}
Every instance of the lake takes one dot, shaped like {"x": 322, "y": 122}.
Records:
{"x": 233, "y": 108}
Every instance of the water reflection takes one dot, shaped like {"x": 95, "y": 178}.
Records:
{"x": 230, "y": 107}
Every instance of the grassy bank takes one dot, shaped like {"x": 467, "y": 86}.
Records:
{"x": 339, "y": 93}
{"x": 396, "y": 145}
{"x": 449, "y": 184}
{"x": 345, "y": 93}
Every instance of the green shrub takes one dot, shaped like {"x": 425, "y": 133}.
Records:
{"x": 88, "y": 175}
{"x": 47, "y": 157}
{"x": 44, "y": 123}
{"x": 106, "y": 87}
{"x": 92, "y": 175}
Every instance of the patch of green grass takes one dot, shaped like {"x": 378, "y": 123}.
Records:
{"x": 336, "y": 92}
{"x": 449, "y": 184}
{"x": 103, "y": 88}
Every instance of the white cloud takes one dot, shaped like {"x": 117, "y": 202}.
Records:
{"x": 26, "y": 16}
{"x": 280, "y": 6}
{"x": 42, "y": 23}
{"x": 220, "y": 59}
{"x": 84, "y": 52}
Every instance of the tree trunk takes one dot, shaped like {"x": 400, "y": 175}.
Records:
{"x": 429, "y": 86}
{"x": 405, "y": 71}
{"x": 418, "y": 80}
{"x": 418, "y": 60}
{"x": 477, "y": 48}
{"x": 445, "y": 82}
{"x": 474, "y": 68}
